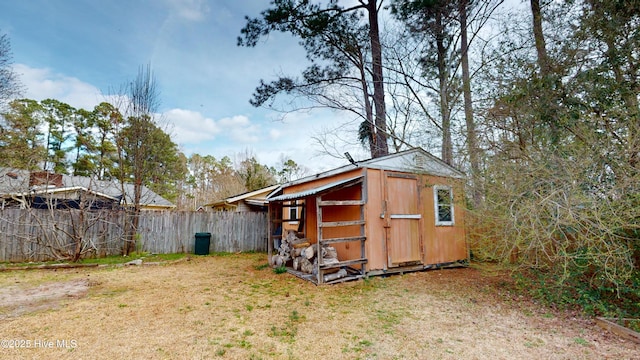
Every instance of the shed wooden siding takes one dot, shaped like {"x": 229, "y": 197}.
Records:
{"x": 443, "y": 244}
{"x": 438, "y": 244}
{"x": 313, "y": 184}
{"x": 376, "y": 240}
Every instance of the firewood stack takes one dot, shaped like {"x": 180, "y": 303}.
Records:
{"x": 290, "y": 247}
{"x": 302, "y": 254}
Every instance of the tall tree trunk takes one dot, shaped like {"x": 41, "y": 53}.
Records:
{"x": 380, "y": 135}
{"x": 472, "y": 140}
{"x": 443, "y": 75}
{"x": 538, "y": 37}
{"x": 367, "y": 105}
{"x": 136, "y": 214}
{"x": 547, "y": 113}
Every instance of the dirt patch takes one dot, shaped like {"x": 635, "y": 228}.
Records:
{"x": 16, "y": 300}
{"x": 231, "y": 307}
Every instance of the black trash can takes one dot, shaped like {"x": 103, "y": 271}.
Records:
{"x": 202, "y": 243}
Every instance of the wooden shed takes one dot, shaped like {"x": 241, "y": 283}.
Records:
{"x": 397, "y": 213}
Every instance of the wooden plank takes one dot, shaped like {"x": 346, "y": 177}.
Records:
{"x": 319, "y": 274}
{"x": 363, "y": 252}
{"x": 618, "y": 329}
{"x": 342, "y": 223}
{"x": 297, "y": 204}
{"x": 343, "y": 263}
{"x": 345, "y": 279}
{"x": 401, "y": 175}
{"x": 341, "y": 203}
{"x": 406, "y": 216}
{"x": 47, "y": 267}
{"x": 343, "y": 239}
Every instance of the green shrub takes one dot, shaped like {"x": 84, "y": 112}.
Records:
{"x": 280, "y": 270}
{"x": 583, "y": 288}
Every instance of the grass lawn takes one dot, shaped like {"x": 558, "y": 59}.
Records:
{"x": 234, "y": 307}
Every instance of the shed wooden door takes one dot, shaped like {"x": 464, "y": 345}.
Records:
{"x": 402, "y": 220}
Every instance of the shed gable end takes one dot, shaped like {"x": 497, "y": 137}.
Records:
{"x": 417, "y": 162}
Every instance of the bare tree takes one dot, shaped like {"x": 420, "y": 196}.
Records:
{"x": 561, "y": 182}
{"x": 472, "y": 140}
{"x": 209, "y": 180}
{"x": 144, "y": 100}
{"x": 70, "y": 226}
{"x": 10, "y": 86}
{"x": 441, "y": 32}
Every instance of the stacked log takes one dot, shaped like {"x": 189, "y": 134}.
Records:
{"x": 306, "y": 266}
{"x": 290, "y": 247}
{"x": 302, "y": 254}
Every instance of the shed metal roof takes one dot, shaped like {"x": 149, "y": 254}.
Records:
{"x": 416, "y": 160}
{"x": 318, "y": 190}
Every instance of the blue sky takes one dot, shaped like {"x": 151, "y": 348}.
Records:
{"x": 79, "y": 51}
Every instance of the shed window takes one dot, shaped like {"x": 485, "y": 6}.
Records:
{"x": 293, "y": 211}
{"x": 443, "y": 200}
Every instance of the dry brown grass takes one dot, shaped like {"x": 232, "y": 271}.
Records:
{"x": 229, "y": 307}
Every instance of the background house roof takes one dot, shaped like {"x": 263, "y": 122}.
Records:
{"x": 256, "y": 197}
{"x": 15, "y": 181}
{"x": 256, "y": 194}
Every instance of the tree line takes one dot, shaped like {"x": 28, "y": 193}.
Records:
{"x": 539, "y": 105}
{"x": 100, "y": 143}
{"x": 104, "y": 144}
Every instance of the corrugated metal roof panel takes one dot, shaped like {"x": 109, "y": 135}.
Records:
{"x": 416, "y": 160}
{"x": 316, "y": 191}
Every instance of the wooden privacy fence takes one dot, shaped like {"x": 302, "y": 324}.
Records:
{"x": 174, "y": 232}
{"x": 37, "y": 235}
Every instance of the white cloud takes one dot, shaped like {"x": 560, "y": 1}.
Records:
{"x": 44, "y": 84}
{"x": 237, "y": 121}
{"x": 191, "y": 127}
{"x": 191, "y": 10}
{"x": 275, "y": 134}
{"x": 240, "y": 129}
